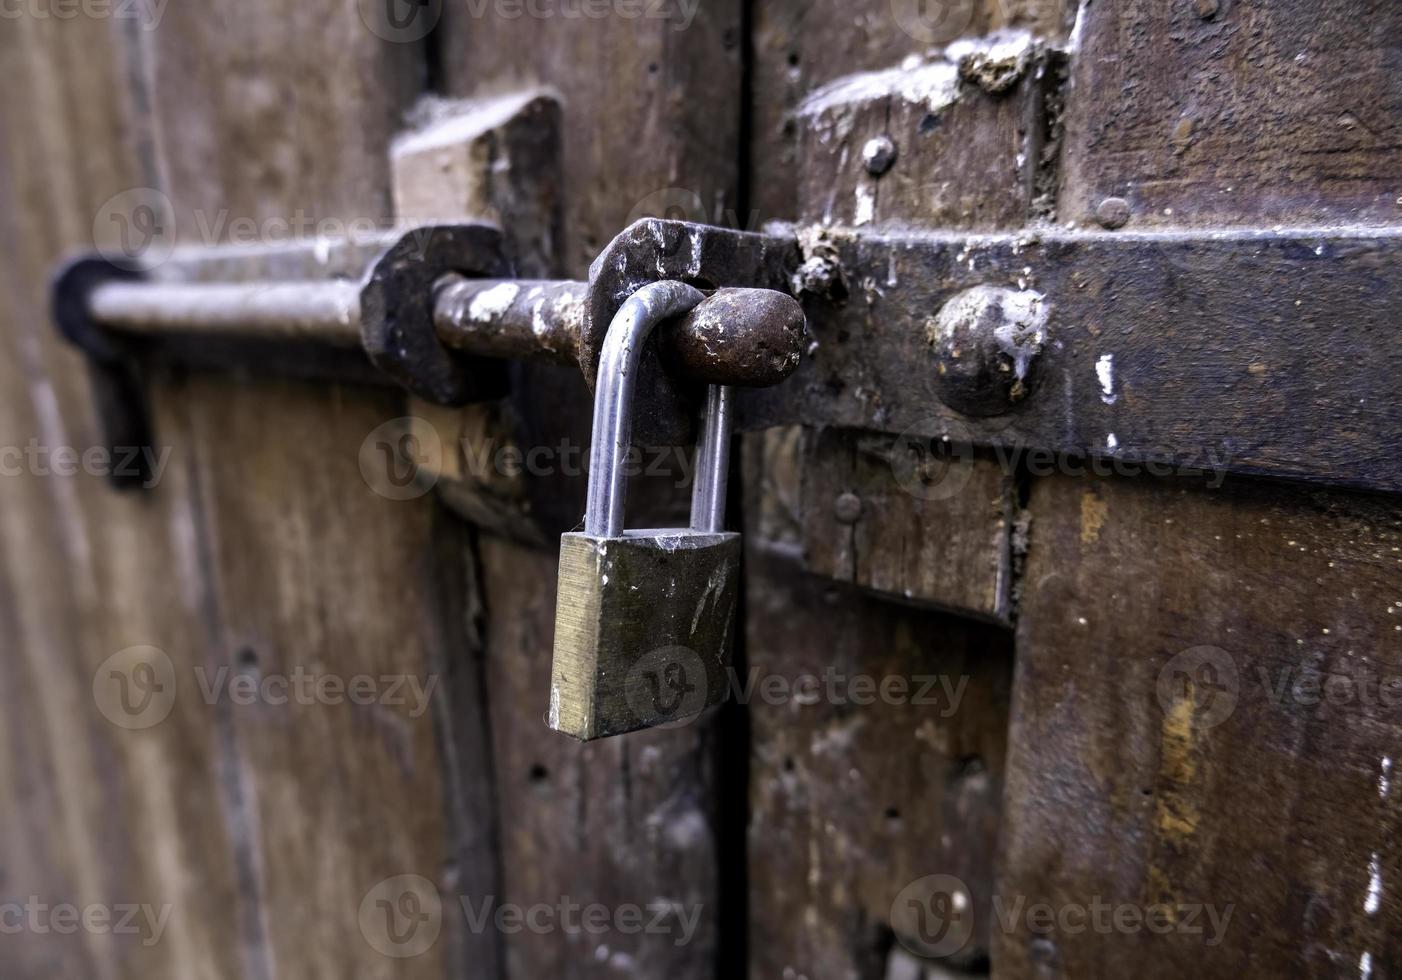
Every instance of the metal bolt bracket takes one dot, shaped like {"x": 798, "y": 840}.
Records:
{"x": 707, "y": 257}
{"x": 431, "y": 314}
{"x": 397, "y": 312}
{"x": 113, "y": 365}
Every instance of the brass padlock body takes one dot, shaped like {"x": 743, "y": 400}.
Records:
{"x": 642, "y": 629}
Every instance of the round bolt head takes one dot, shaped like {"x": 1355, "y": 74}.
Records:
{"x": 847, "y": 508}
{"x": 1112, "y": 213}
{"x": 879, "y": 155}
{"x": 986, "y": 341}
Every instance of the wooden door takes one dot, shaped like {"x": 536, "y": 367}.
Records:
{"x": 1027, "y": 722}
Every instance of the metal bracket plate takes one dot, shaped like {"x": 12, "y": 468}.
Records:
{"x": 1271, "y": 353}
{"x": 707, "y": 257}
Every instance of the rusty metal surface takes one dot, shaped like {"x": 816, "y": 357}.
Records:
{"x": 753, "y": 338}
{"x": 1252, "y": 352}
{"x": 707, "y": 257}
{"x": 1230, "y": 351}
{"x": 747, "y": 337}
{"x": 535, "y": 319}
{"x": 397, "y": 324}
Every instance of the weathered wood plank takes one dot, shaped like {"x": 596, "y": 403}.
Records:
{"x": 620, "y": 824}
{"x": 798, "y": 48}
{"x": 1174, "y": 644}
{"x": 1286, "y": 113}
{"x": 879, "y": 733}
{"x": 652, "y": 102}
{"x": 850, "y": 804}
{"x": 1206, "y": 714}
{"x": 96, "y": 812}
{"x": 331, "y": 797}
{"x": 650, "y": 121}
{"x": 961, "y": 136}
{"x": 945, "y": 540}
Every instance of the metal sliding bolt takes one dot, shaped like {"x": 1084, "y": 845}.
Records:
{"x": 749, "y": 337}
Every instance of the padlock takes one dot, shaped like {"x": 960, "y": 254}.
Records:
{"x": 644, "y": 618}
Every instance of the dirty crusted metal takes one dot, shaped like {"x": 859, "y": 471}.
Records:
{"x": 747, "y": 337}
{"x": 397, "y": 322}
{"x": 1253, "y": 352}
{"x": 707, "y": 257}
{"x": 113, "y": 365}
{"x": 1258, "y": 352}
{"x": 419, "y": 314}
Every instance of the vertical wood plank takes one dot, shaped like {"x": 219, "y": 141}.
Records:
{"x": 650, "y": 124}
{"x": 97, "y": 812}
{"x": 1206, "y": 715}
{"x": 1167, "y": 747}
{"x": 1282, "y": 113}
{"x": 851, "y": 805}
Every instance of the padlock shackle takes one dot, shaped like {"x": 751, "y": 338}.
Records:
{"x": 712, "y": 470}
{"x": 613, "y": 417}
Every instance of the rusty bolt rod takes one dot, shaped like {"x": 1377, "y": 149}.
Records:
{"x": 747, "y": 337}
{"x": 515, "y": 318}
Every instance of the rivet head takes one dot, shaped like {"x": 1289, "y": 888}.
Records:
{"x": 1112, "y": 213}
{"x": 986, "y": 341}
{"x": 847, "y": 508}
{"x": 879, "y": 155}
